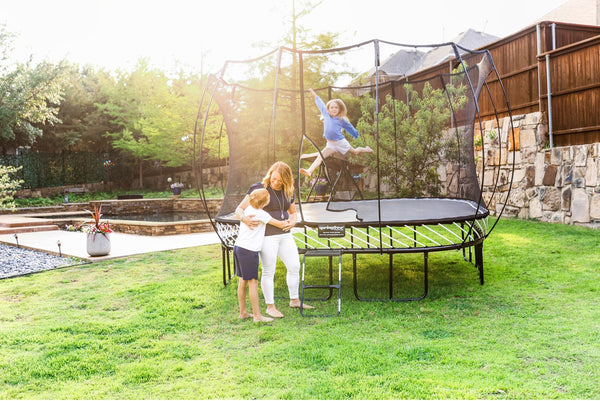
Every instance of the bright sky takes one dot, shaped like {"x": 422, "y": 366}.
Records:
{"x": 116, "y": 33}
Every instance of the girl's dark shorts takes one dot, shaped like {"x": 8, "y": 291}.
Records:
{"x": 246, "y": 263}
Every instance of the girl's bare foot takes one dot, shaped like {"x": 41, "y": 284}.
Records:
{"x": 305, "y": 172}
{"x": 274, "y": 312}
{"x": 262, "y": 318}
{"x": 369, "y": 150}
{"x": 245, "y": 315}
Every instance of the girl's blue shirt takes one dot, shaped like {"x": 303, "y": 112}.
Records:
{"x": 332, "y": 126}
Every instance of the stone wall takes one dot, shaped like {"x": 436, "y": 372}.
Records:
{"x": 212, "y": 176}
{"x": 145, "y": 206}
{"x": 132, "y": 206}
{"x": 560, "y": 185}
{"x": 49, "y": 192}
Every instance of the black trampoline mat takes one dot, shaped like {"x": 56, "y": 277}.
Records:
{"x": 402, "y": 211}
{"x": 393, "y": 211}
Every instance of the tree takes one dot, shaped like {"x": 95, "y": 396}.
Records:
{"x": 153, "y": 113}
{"x": 412, "y": 141}
{"x": 29, "y": 95}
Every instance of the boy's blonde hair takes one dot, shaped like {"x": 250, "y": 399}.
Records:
{"x": 259, "y": 198}
{"x": 343, "y": 110}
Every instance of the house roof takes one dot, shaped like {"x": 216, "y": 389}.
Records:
{"x": 403, "y": 62}
{"x": 584, "y": 12}
{"x": 406, "y": 62}
{"x": 469, "y": 39}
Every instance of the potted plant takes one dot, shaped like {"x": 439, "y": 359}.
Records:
{"x": 98, "y": 239}
{"x": 320, "y": 186}
{"x": 176, "y": 187}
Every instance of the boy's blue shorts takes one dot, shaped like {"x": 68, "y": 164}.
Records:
{"x": 246, "y": 263}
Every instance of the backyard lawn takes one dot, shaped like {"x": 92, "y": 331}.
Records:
{"x": 163, "y": 326}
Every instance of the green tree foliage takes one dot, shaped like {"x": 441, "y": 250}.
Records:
{"x": 154, "y": 114}
{"x": 412, "y": 141}
{"x": 29, "y": 95}
{"x": 8, "y": 186}
{"x": 83, "y": 126}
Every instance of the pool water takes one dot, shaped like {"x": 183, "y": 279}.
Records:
{"x": 160, "y": 217}
{"x": 163, "y": 217}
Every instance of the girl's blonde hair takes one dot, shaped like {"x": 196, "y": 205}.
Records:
{"x": 259, "y": 198}
{"x": 343, "y": 110}
{"x": 287, "y": 178}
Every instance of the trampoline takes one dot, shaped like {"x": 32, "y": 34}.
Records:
{"x": 436, "y": 206}
{"x": 405, "y": 226}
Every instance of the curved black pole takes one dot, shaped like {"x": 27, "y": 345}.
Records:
{"x": 274, "y": 112}
{"x": 475, "y": 94}
{"x": 512, "y": 130}
{"x": 303, "y": 127}
{"x": 201, "y": 183}
{"x": 376, "y": 47}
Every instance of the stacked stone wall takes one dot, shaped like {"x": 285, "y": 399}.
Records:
{"x": 212, "y": 177}
{"x": 560, "y": 184}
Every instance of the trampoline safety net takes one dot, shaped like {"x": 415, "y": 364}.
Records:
{"x": 417, "y": 107}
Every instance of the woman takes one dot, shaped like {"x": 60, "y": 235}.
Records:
{"x": 279, "y": 181}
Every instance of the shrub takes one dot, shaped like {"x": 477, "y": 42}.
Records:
{"x": 8, "y": 186}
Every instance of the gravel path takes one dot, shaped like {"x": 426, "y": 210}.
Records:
{"x": 18, "y": 261}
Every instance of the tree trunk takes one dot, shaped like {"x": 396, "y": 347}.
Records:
{"x": 141, "y": 174}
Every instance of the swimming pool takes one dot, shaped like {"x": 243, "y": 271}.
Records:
{"x": 163, "y": 217}
{"x": 143, "y": 217}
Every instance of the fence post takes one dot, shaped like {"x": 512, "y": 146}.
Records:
{"x": 549, "y": 92}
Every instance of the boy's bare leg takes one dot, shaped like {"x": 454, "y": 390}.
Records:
{"x": 253, "y": 292}
{"x": 242, "y": 299}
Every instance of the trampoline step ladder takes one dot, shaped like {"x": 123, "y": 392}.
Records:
{"x": 330, "y": 253}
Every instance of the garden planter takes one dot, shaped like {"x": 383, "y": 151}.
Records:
{"x": 176, "y": 191}
{"x": 320, "y": 189}
{"x": 98, "y": 244}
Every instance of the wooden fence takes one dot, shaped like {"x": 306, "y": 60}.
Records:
{"x": 571, "y": 54}
{"x": 571, "y": 95}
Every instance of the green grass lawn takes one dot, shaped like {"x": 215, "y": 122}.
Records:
{"x": 163, "y": 326}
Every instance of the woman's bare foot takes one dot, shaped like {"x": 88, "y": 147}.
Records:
{"x": 272, "y": 311}
{"x": 245, "y": 315}
{"x": 262, "y": 318}
{"x": 305, "y": 172}
{"x": 295, "y": 303}
{"x": 369, "y": 150}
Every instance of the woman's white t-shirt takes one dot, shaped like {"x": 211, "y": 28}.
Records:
{"x": 252, "y": 239}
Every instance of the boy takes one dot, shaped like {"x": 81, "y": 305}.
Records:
{"x": 246, "y": 249}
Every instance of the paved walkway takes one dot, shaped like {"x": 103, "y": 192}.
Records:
{"x": 74, "y": 243}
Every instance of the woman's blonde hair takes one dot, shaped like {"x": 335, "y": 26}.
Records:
{"x": 343, "y": 110}
{"x": 259, "y": 198}
{"x": 287, "y": 178}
